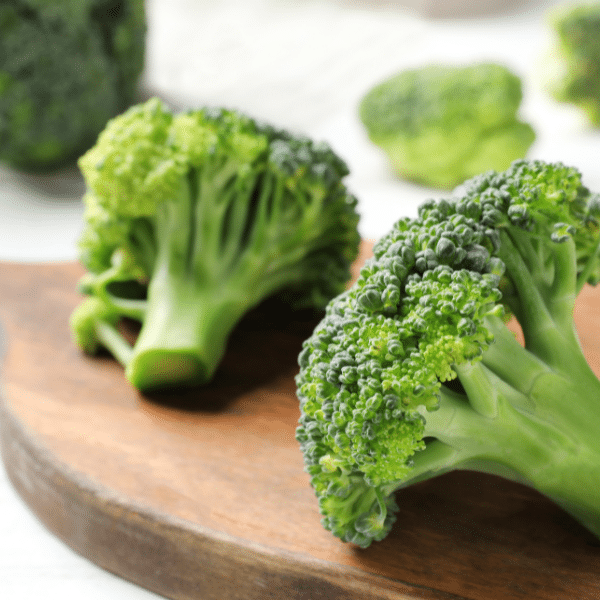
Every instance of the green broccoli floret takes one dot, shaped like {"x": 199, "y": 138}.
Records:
{"x": 66, "y": 67}
{"x": 194, "y": 218}
{"x": 413, "y": 371}
{"x": 441, "y": 124}
{"x": 575, "y": 77}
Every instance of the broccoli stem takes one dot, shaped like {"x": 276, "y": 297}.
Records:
{"x": 220, "y": 251}
{"x": 190, "y": 308}
{"x": 566, "y": 470}
{"x": 508, "y": 415}
{"x": 545, "y": 308}
{"x": 185, "y": 333}
{"x": 109, "y": 336}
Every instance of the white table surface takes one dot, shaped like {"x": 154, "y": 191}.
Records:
{"x": 302, "y": 65}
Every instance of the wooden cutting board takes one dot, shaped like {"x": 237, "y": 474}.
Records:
{"x": 203, "y": 496}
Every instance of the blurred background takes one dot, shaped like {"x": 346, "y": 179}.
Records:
{"x": 303, "y": 65}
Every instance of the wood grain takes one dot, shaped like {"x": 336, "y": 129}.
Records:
{"x": 203, "y": 495}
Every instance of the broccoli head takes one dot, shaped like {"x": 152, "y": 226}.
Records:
{"x": 576, "y": 76}
{"x": 413, "y": 371}
{"x": 66, "y": 67}
{"x": 441, "y": 124}
{"x": 191, "y": 219}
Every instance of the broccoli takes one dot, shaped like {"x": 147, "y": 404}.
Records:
{"x": 441, "y": 124}
{"x": 66, "y": 67}
{"x": 193, "y": 218}
{"x": 413, "y": 371}
{"x": 575, "y": 77}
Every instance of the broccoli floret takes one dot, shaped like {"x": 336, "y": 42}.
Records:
{"x": 441, "y": 124}
{"x": 413, "y": 371}
{"x": 66, "y": 67}
{"x": 575, "y": 78}
{"x": 191, "y": 219}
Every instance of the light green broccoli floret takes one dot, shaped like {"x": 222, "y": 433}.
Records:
{"x": 441, "y": 124}
{"x": 192, "y": 219}
{"x": 66, "y": 67}
{"x": 576, "y": 53}
{"x": 413, "y": 371}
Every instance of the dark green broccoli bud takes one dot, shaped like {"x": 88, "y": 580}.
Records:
{"x": 575, "y": 58}
{"x": 413, "y": 371}
{"x": 65, "y": 68}
{"x": 194, "y": 218}
{"x": 441, "y": 124}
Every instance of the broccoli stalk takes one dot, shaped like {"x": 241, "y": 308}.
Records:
{"x": 413, "y": 372}
{"x": 514, "y": 408}
{"x": 193, "y": 219}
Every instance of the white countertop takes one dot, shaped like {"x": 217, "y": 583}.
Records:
{"x": 304, "y": 66}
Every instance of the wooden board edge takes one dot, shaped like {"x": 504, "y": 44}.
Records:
{"x": 141, "y": 546}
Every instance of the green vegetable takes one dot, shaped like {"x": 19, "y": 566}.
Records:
{"x": 441, "y": 124}
{"x": 413, "y": 372}
{"x": 66, "y": 67}
{"x": 191, "y": 220}
{"x": 575, "y": 78}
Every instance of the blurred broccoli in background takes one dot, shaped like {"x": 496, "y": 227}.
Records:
{"x": 66, "y": 67}
{"x": 441, "y": 124}
{"x": 576, "y": 54}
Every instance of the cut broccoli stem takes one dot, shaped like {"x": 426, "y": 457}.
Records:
{"x": 222, "y": 248}
{"x": 185, "y": 332}
{"x": 191, "y": 308}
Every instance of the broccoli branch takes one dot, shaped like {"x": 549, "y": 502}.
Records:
{"x": 459, "y": 391}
